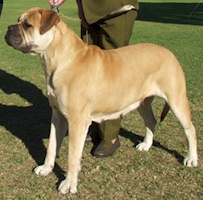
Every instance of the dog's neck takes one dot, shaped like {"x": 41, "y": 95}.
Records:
{"x": 70, "y": 46}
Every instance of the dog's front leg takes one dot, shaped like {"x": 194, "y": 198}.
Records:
{"x": 77, "y": 135}
{"x": 58, "y": 129}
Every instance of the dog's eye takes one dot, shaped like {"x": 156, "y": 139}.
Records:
{"x": 27, "y": 24}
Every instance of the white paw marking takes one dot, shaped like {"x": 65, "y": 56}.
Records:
{"x": 143, "y": 146}
{"x": 190, "y": 162}
{"x": 43, "y": 170}
{"x": 65, "y": 188}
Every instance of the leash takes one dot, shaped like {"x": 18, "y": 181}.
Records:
{"x": 55, "y": 8}
{"x": 71, "y": 18}
{"x": 110, "y": 15}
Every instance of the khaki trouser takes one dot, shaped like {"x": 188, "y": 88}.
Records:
{"x": 110, "y": 34}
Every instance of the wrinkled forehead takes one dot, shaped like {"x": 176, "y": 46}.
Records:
{"x": 31, "y": 15}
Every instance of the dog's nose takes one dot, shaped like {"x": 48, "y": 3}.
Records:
{"x": 10, "y": 28}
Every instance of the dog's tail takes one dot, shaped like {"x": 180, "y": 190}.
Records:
{"x": 164, "y": 112}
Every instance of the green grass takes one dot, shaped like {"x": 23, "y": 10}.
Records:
{"x": 129, "y": 174}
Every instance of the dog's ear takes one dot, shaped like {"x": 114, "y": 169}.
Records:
{"x": 48, "y": 19}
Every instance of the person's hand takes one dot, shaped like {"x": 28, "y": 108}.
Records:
{"x": 57, "y": 2}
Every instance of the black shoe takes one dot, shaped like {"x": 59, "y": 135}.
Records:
{"x": 106, "y": 148}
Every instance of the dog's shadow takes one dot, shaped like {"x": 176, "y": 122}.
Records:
{"x": 136, "y": 139}
{"x": 31, "y": 122}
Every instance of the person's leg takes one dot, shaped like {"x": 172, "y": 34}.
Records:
{"x": 115, "y": 33}
{"x": 109, "y": 130}
{"x": 112, "y": 34}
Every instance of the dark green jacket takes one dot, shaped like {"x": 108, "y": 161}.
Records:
{"x": 94, "y": 10}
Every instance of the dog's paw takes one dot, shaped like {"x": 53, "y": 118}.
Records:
{"x": 190, "y": 162}
{"x": 43, "y": 170}
{"x": 65, "y": 188}
{"x": 143, "y": 146}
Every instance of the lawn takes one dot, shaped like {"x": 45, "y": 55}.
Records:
{"x": 128, "y": 174}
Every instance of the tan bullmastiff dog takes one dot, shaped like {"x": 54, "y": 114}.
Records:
{"x": 85, "y": 84}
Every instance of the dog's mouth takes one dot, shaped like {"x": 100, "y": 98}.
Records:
{"x": 14, "y": 39}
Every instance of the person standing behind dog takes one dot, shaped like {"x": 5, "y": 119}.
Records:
{"x": 107, "y": 24}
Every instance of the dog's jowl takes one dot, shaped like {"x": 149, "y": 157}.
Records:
{"x": 121, "y": 80}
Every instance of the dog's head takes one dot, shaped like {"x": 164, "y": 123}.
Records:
{"x": 34, "y": 31}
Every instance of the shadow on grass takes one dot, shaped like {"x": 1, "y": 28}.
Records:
{"x": 136, "y": 139}
{"x": 30, "y": 123}
{"x": 175, "y": 13}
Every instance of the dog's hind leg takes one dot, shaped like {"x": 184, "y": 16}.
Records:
{"x": 58, "y": 130}
{"x": 146, "y": 112}
{"x": 180, "y": 107}
{"x": 77, "y": 133}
